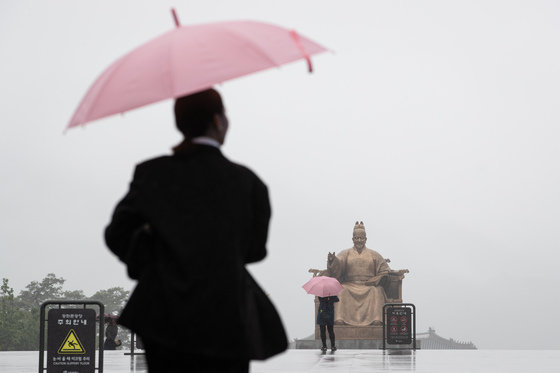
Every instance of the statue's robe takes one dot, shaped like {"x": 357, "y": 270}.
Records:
{"x": 361, "y": 303}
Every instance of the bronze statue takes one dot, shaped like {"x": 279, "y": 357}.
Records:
{"x": 366, "y": 278}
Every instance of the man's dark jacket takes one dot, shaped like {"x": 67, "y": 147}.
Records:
{"x": 187, "y": 227}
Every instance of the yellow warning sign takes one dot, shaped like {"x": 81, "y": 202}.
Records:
{"x": 71, "y": 344}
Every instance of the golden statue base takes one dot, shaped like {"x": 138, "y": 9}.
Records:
{"x": 354, "y": 332}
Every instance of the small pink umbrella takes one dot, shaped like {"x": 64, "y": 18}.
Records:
{"x": 323, "y": 286}
{"x": 189, "y": 59}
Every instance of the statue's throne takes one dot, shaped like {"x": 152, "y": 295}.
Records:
{"x": 392, "y": 284}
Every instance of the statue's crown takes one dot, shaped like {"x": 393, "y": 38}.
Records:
{"x": 359, "y": 225}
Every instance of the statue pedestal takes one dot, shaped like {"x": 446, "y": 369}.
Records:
{"x": 310, "y": 343}
{"x": 344, "y": 344}
{"x": 343, "y": 332}
{"x": 348, "y": 344}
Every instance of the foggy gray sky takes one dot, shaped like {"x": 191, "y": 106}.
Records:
{"x": 433, "y": 122}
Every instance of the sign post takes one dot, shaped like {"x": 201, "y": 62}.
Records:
{"x": 399, "y": 326}
{"x": 71, "y": 337}
{"x": 134, "y": 342}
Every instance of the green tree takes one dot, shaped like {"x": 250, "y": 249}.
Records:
{"x": 24, "y": 310}
{"x": 38, "y": 292}
{"x": 19, "y": 330}
{"x": 20, "y": 315}
{"x": 7, "y": 308}
{"x": 74, "y": 295}
{"x": 114, "y": 298}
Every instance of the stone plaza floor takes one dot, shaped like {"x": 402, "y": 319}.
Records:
{"x": 342, "y": 361}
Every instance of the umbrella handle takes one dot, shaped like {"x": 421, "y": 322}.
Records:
{"x": 175, "y": 18}
{"x": 295, "y": 36}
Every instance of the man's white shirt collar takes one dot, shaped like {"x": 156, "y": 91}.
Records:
{"x": 203, "y": 140}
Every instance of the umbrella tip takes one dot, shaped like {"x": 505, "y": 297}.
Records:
{"x": 175, "y": 18}
{"x": 304, "y": 53}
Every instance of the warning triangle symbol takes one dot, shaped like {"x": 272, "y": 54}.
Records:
{"x": 71, "y": 344}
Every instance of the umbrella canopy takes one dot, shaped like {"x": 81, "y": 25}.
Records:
{"x": 108, "y": 316}
{"x": 323, "y": 286}
{"x": 190, "y": 59}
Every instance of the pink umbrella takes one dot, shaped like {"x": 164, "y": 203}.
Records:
{"x": 323, "y": 286}
{"x": 189, "y": 59}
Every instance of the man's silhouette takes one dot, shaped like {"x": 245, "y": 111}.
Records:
{"x": 186, "y": 228}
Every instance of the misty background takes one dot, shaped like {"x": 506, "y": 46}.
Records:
{"x": 433, "y": 122}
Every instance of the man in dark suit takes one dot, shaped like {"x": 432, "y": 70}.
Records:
{"x": 186, "y": 228}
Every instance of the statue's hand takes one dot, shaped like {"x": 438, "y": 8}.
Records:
{"x": 316, "y": 272}
{"x": 374, "y": 281}
{"x": 330, "y": 257}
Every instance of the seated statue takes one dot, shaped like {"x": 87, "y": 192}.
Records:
{"x": 366, "y": 278}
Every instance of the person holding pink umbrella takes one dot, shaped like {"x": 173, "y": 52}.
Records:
{"x": 326, "y": 289}
{"x": 325, "y": 320}
{"x": 187, "y": 227}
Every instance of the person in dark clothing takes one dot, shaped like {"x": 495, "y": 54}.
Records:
{"x": 186, "y": 228}
{"x": 111, "y": 332}
{"x": 111, "y": 344}
{"x": 325, "y": 320}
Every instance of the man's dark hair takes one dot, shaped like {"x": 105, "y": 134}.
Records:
{"x": 194, "y": 113}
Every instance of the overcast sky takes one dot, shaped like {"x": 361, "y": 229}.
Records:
{"x": 436, "y": 123}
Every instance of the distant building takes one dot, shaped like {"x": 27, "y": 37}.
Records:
{"x": 431, "y": 341}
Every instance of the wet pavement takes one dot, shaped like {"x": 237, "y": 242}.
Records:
{"x": 342, "y": 361}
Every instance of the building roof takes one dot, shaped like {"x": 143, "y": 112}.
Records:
{"x": 431, "y": 341}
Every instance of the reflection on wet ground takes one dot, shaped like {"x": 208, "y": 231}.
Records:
{"x": 342, "y": 361}
{"x": 425, "y": 361}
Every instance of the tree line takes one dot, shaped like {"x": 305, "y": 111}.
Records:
{"x": 19, "y": 315}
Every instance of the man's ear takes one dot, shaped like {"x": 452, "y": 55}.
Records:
{"x": 217, "y": 122}
{"x": 214, "y": 127}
